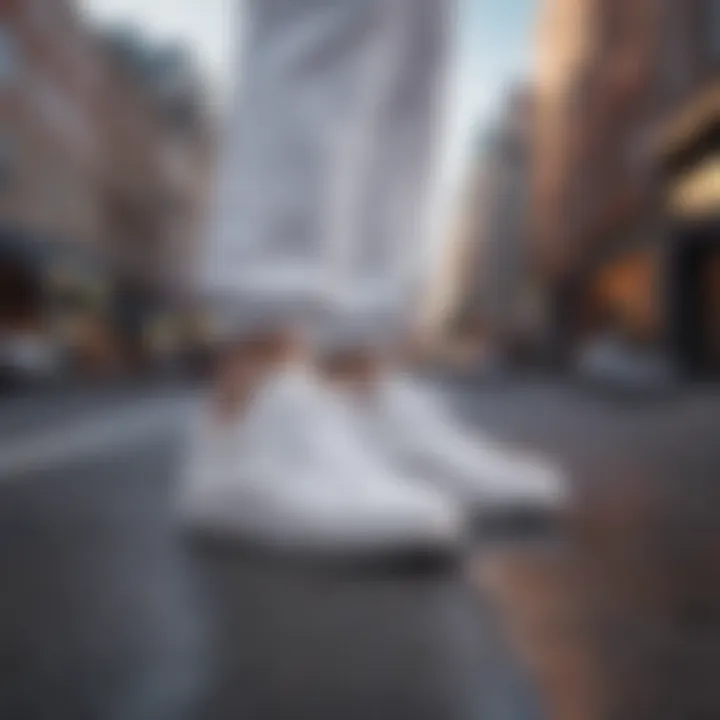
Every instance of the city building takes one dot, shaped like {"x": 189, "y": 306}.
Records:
{"x": 565, "y": 37}
{"x": 688, "y": 154}
{"x": 606, "y": 190}
{"x": 158, "y": 154}
{"x": 49, "y": 147}
{"x": 498, "y": 300}
{"x": 504, "y": 288}
{"x": 155, "y": 180}
{"x": 105, "y": 157}
{"x": 50, "y": 167}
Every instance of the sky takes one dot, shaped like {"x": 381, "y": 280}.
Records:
{"x": 495, "y": 45}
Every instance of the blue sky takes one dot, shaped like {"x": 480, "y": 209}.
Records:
{"x": 496, "y": 43}
{"x": 495, "y": 47}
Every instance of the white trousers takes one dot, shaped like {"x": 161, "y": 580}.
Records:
{"x": 326, "y": 171}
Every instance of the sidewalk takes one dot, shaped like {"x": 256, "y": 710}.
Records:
{"x": 623, "y": 622}
{"x": 22, "y": 412}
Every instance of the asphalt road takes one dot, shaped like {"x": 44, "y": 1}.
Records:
{"x": 625, "y": 624}
{"x": 106, "y": 613}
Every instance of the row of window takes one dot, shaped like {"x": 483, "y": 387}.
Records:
{"x": 9, "y": 57}
{"x": 693, "y": 27}
{"x": 59, "y": 110}
{"x": 714, "y": 26}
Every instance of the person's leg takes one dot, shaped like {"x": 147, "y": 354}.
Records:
{"x": 280, "y": 465}
{"x": 244, "y": 364}
{"x": 390, "y": 259}
{"x": 304, "y": 66}
{"x": 396, "y": 217}
{"x": 392, "y": 210}
{"x": 354, "y": 369}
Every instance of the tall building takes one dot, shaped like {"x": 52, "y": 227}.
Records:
{"x": 51, "y": 283}
{"x": 155, "y": 177}
{"x": 604, "y": 220}
{"x": 504, "y": 288}
{"x": 156, "y": 166}
{"x": 105, "y": 155}
{"x": 498, "y": 298}
{"x": 565, "y": 42}
{"x": 687, "y": 150}
{"x": 49, "y": 147}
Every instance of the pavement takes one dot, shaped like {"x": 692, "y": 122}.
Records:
{"x": 624, "y": 622}
{"x": 106, "y": 613}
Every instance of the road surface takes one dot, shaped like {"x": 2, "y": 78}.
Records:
{"x": 104, "y": 613}
{"x": 625, "y": 622}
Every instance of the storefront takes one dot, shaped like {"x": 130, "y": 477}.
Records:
{"x": 695, "y": 273}
{"x": 78, "y": 300}
{"x": 136, "y": 304}
{"x": 654, "y": 282}
{"x": 58, "y": 293}
{"x": 156, "y": 330}
{"x": 21, "y": 284}
{"x": 624, "y": 296}
{"x": 692, "y": 193}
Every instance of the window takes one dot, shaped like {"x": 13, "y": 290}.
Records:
{"x": 714, "y": 27}
{"x": 8, "y": 57}
{"x": 45, "y": 15}
{"x": 64, "y": 114}
{"x": 681, "y": 41}
{"x": 7, "y": 158}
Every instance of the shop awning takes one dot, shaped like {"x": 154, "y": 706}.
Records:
{"x": 690, "y": 133}
{"x": 695, "y": 193}
{"x": 57, "y": 265}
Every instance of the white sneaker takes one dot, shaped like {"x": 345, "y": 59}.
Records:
{"x": 412, "y": 431}
{"x": 290, "y": 476}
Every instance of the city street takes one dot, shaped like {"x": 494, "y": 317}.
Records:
{"x": 217, "y": 188}
{"x": 624, "y": 622}
{"x": 105, "y": 613}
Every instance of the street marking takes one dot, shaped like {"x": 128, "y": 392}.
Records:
{"x": 91, "y": 436}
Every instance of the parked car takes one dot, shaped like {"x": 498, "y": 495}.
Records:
{"x": 28, "y": 359}
{"x": 610, "y": 361}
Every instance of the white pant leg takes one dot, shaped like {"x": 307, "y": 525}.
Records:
{"x": 303, "y": 69}
{"x": 391, "y": 246}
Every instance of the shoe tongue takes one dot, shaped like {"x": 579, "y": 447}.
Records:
{"x": 342, "y": 442}
{"x": 410, "y": 402}
{"x": 412, "y": 409}
{"x": 316, "y": 426}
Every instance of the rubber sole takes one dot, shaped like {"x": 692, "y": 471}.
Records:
{"x": 412, "y": 557}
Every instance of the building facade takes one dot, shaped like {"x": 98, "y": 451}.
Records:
{"x": 105, "y": 151}
{"x": 155, "y": 184}
{"x": 157, "y": 160}
{"x": 505, "y": 287}
{"x": 498, "y": 298}
{"x": 52, "y": 284}
{"x": 565, "y": 43}
{"x": 688, "y": 154}
{"x": 50, "y": 147}
{"x": 609, "y": 228}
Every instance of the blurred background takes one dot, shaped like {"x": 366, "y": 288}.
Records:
{"x": 588, "y": 236}
{"x": 581, "y": 186}
{"x": 108, "y": 146}
{"x": 580, "y": 250}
